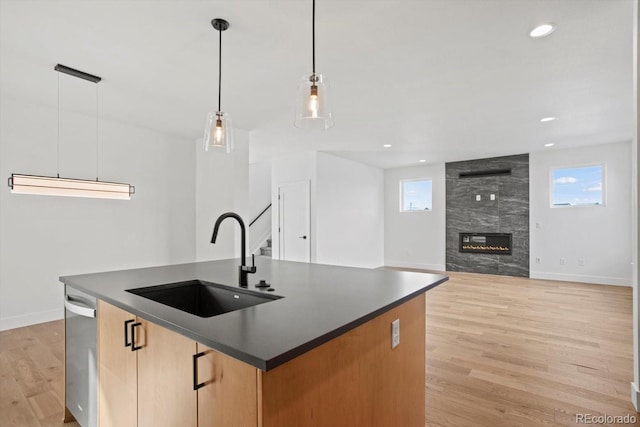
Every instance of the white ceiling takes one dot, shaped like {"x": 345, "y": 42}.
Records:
{"x": 440, "y": 80}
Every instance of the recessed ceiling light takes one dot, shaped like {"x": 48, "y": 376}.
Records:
{"x": 423, "y": 161}
{"x": 547, "y": 119}
{"x": 542, "y": 30}
{"x": 387, "y": 145}
{"x": 550, "y": 144}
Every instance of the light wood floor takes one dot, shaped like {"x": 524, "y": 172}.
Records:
{"x": 504, "y": 351}
{"x": 501, "y": 351}
{"x": 31, "y": 376}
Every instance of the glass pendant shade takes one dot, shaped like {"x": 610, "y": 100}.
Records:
{"x": 312, "y": 106}
{"x": 218, "y": 131}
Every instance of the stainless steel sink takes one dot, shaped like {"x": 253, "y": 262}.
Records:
{"x": 203, "y": 299}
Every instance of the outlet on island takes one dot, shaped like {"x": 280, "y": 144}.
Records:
{"x": 395, "y": 333}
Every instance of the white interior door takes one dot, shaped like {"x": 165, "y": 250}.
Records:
{"x": 295, "y": 221}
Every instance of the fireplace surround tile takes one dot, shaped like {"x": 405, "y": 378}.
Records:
{"x": 508, "y": 213}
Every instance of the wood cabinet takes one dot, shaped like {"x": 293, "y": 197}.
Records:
{"x": 149, "y": 385}
{"x": 165, "y": 379}
{"x": 356, "y": 379}
{"x": 154, "y": 386}
{"x": 117, "y": 369}
{"x": 229, "y": 397}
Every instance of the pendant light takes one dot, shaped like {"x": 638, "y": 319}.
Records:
{"x": 218, "y": 131}
{"x": 57, "y": 186}
{"x": 312, "y": 106}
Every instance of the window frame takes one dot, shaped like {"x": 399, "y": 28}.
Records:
{"x": 401, "y": 191}
{"x": 578, "y": 166}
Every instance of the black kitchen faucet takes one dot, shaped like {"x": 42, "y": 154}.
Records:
{"x": 243, "y": 269}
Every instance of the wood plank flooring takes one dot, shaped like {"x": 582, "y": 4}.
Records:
{"x": 505, "y": 351}
{"x": 31, "y": 376}
{"x": 501, "y": 351}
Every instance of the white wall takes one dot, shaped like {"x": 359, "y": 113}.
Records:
{"x": 415, "y": 239}
{"x": 349, "y": 213}
{"x": 44, "y": 237}
{"x": 222, "y": 185}
{"x": 259, "y": 187}
{"x": 347, "y": 225}
{"x": 287, "y": 169}
{"x": 259, "y": 198}
{"x": 601, "y": 236}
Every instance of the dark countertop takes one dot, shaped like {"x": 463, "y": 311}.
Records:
{"x": 320, "y": 302}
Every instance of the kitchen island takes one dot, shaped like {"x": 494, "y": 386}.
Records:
{"x": 321, "y": 354}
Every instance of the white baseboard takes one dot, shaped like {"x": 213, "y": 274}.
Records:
{"x": 597, "y": 280}
{"x": 635, "y": 396}
{"x": 402, "y": 264}
{"x": 30, "y": 319}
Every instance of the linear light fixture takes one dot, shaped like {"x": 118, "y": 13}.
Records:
{"x": 57, "y": 186}
{"x": 54, "y": 186}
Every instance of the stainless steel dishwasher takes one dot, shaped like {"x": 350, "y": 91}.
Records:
{"x": 81, "y": 374}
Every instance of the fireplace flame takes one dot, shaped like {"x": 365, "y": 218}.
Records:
{"x": 486, "y": 248}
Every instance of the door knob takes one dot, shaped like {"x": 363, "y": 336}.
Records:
{"x": 303, "y": 237}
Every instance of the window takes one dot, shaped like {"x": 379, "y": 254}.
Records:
{"x": 577, "y": 186}
{"x": 415, "y": 195}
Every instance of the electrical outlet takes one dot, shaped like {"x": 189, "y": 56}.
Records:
{"x": 580, "y": 262}
{"x": 563, "y": 261}
{"x": 492, "y": 197}
{"x": 395, "y": 333}
{"x": 538, "y": 224}
{"x": 538, "y": 260}
{"x": 478, "y": 197}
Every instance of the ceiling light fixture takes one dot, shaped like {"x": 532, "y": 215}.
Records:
{"x": 547, "y": 119}
{"x": 549, "y": 144}
{"x": 423, "y": 161}
{"x": 542, "y": 30}
{"x": 387, "y": 145}
{"x": 56, "y": 186}
{"x": 218, "y": 131}
{"x": 312, "y": 105}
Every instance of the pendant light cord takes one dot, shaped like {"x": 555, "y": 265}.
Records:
{"x": 219, "y": 69}
{"x": 313, "y": 35}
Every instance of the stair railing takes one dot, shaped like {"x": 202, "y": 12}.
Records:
{"x": 260, "y": 214}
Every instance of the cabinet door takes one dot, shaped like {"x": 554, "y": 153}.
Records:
{"x": 117, "y": 369}
{"x": 165, "y": 378}
{"x": 229, "y": 395}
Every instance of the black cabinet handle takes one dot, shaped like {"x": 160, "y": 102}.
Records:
{"x": 133, "y": 337}
{"x": 195, "y": 371}
{"x": 126, "y": 332}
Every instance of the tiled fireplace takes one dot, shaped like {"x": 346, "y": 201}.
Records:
{"x": 487, "y": 215}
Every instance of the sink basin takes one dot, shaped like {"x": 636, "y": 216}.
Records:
{"x": 203, "y": 299}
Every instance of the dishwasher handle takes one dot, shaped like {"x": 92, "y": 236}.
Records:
{"x": 84, "y": 309}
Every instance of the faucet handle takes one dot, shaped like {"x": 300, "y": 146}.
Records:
{"x": 251, "y": 269}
